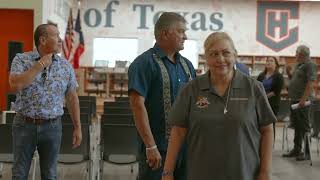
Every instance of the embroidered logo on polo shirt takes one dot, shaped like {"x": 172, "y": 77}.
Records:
{"x": 202, "y": 102}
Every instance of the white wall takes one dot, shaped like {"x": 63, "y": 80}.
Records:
{"x": 56, "y": 11}
{"x": 239, "y": 20}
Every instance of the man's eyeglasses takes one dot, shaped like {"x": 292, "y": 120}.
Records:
{"x": 44, "y": 73}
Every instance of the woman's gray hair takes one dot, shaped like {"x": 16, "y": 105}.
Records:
{"x": 217, "y": 36}
{"x": 165, "y": 21}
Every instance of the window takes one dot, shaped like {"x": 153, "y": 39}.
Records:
{"x": 190, "y": 51}
{"x": 114, "y": 49}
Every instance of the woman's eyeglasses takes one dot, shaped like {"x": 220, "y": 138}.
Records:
{"x": 224, "y": 53}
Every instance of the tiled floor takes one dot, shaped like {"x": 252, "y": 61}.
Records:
{"x": 283, "y": 169}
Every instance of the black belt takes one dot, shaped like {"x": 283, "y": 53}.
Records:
{"x": 37, "y": 120}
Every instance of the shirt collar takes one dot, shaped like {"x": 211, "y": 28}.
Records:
{"x": 162, "y": 54}
{"x": 36, "y": 56}
{"x": 237, "y": 81}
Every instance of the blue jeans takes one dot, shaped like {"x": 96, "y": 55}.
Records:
{"x": 46, "y": 138}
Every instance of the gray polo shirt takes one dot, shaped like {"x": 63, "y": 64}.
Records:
{"x": 303, "y": 72}
{"x": 222, "y": 146}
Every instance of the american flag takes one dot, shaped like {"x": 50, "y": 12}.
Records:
{"x": 79, "y": 42}
{"x": 68, "y": 39}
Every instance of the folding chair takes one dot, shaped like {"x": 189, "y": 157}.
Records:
{"x": 84, "y": 118}
{"x": 117, "y": 119}
{"x": 8, "y": 116}
{"x": 90, "y": 104}
{"x": 120, "y": 145}
{"x": 117, "y": 110}
{"x": 116, "y": 104}
{"x": 68, "y": 155}
{"x": 86, "y": 110}
{"x": 315, "y": 127}
{"x": 6, "y": 153}
{"x": 284, "y": 116}
{"x": 125, "y": 99}
{"x": 92, "y": 99}
{"x": 11, "y": 98}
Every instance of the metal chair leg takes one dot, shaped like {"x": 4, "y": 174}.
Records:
{"x": 1, "y": 169}
{"x": 283, "y": 135}
{"x": 318, "y": 138}
{"x": 35, "y": 157}
{"x": 101, "y": 169}
{"x": 286, "y": 127}
{"x": 307, "y": 142}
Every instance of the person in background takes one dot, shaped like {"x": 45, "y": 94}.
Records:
{"x": 225, "y": 118}
{"x": 42, "y": 81}
{"x": 155, "y": 78}
{"x": 272, "y": 82}
{"x": 242, "y": 68}
{"x": 300, "y": 90}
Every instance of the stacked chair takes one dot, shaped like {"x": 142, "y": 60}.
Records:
{"x": 82, "y": 154}
{"x": 6, "y": 152}
{"x": 119, "y": 138}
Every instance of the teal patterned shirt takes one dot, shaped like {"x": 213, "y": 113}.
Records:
{"x": 44, "y": 97}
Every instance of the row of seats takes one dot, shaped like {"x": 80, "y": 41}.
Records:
{"x": 117, "y": 121}
{"x": 118, "y": 136}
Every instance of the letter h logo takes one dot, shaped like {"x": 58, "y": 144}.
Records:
{"x": 273, "y": 24}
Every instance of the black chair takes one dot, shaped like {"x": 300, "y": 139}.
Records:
{"x": 6, "y": 152}
{"x": 68, "y": 155}
{"x": 119, "y": 145}
{"x": 117, "y": 119}
{"x": 117, "y": 104}
{"x": 315, "y": 124}
{"x": 84, "y": 118}
{"x": 85, "y": 110}
{"x": 284, "y": 110}
{"x": 8, "y": 116}
{"x": 117, "y": 110}
{"x": 89, "y": 104}
{"x": 284, "y": 116}
{"x": 92, "y": 99}
{"x": 121, "y": 98}
{"x": 10, "y": 98}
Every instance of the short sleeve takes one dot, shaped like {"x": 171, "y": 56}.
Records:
{"x": 311, "y": 69}
{"x": 180, "y": 110}
{"x": 72, "y": 84}
{"x": 17, "y": 65}
{"x": 263, "y": 108}
{"x": 140, "y": 76}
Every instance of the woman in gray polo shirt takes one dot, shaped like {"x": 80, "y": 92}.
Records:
{"x": 226, "y": 120}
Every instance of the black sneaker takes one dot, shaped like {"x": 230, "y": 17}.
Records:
{"x": 303, "y": 157}
{"x": 293, "y": 153}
